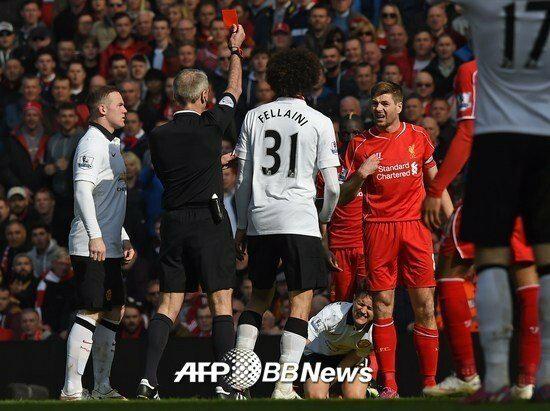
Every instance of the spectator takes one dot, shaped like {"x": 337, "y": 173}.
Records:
{"x": 20, "y": 207}
{"x": 261, "y": 15}
{"x": 66, "y": 52}
{"x": 7, "y": 42}
{"x": 5, "y": 217}
{"x": 319, "y": 27}
{"x": 296, "y": 17}
{"x": 414, "y": 112}
{"x": 336, "y": 38}
{"x": 96, "y": 82}
{"x": 31, "y": 14}
{"x": 55, "y": 295}
{"x": 83, "y": 29}
{"x": 392, "y": 73}
{"x": 349, "y": 105}
{"x": 424, "y": 86}
{"x": 124, "y": 44}
{"x": 164, "y": 55}
{"x": 65, "y": 22}
{"x": 323, "y": 99}
{"x": 131, "y": 93}
{"x": 432, "y": 128}
{"x": 144, "y": 26}
{"x": 23, "y": 281}
{"x": 57, "y": 217}
{"x": 31, "y": 326}
{"x": 139, "y": 65}
{"x": 44, "y": 250}
{"x": 281, "y": 37}
{"x": 440, "y": 111}
{"x": 99, "y": 9}
{"x": 61, "y": 93}
{"x": 397, "y": 52}
{"x": 16, "y": 237}
{"x": 246, "y": 290}
{"x": 11, "y": 82}
{"x": 135, "y": 210}
{"x": 171, "y": 104}
{"x": 40, "y": 38}
{"x": 389, "y": 16}
{"x": 364, "y": 79}
{"x": 260, "y": 58}
{"x": 229, "y": 180}
{"x": 118, "y": 68}
{"x": 444, "y": 66}
{"x": 335, "y": 77}
{"x": 204, "y": 322}
{"x": 353, "y": 54}
{"x": 104, "y": 27}
{"x": 175, "y": 15}
{"x": 77, "y": 77}
{"x": 373, "y": 56}
{"x": 207, "y": 55}
{"x": 46, "y": 64}
{"x": 423, "y": 45}
{"x": 10, "y": 316}
{"x": 132, "y": 138}
{"x": 132, "y": 326}
{"x": 220, "y": 75}
{"x": 155, "y": 97}
{"x": 363, "y": 30}
{"x": 152, "y": 298}
{"x": 90, "y": 54}
{"x": 187, "y": 55}
{"x": 186, "y": 32}
{"x": 342, "y": 14}
{"x": 264, "y": 93}
{"x": 437, "y": 22}
{"x": 206, "y": 14}
{"x": 23, "y": 162}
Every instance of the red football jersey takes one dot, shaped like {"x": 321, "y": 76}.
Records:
{"x": 465, "y": 92}
{"x": 345, "y": 228}
{"x": 396, "y": 190}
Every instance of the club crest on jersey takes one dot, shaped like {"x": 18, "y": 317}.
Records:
{"x": 85, "y": 162}
{"x": 411, "y": 151}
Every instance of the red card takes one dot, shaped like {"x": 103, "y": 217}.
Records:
{"x": 230, "y": 17}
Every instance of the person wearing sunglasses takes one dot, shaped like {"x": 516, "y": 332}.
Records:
{"x": 389, "y": 17}
{"x": 364, "y": 30}
{"x": 424, "y": 88}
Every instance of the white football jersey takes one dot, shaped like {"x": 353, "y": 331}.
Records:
{"x": 513, "y": 53}
{"x": 288, "y": 142}
{"x": 332, "y": 332}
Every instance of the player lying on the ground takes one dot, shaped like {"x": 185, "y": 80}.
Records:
{"x": 340, "y": 336}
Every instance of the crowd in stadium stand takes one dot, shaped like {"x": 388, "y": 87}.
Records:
{"x": 52, "y": 53}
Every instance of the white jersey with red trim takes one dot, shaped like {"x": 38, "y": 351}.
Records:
{"x": 513, "y": 57}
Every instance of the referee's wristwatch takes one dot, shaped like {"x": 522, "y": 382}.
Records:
{"x": 237, "y": 51}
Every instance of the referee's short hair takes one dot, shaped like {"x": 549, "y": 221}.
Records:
{"x": 189, "y": 84}
{"x": 97, "y": 97}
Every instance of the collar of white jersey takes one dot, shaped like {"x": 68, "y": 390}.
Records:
{"x": 187, "y": 112}
{"x": 293, "y": 99}
{"x": 108, "y": 135}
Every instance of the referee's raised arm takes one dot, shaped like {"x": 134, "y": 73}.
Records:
{"x": 235, "y": 77}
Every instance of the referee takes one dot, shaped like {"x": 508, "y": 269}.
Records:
{"x": 98, "y": 245}
{"x": 196, "y": 237}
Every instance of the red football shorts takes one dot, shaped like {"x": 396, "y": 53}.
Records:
{"x": 522, "y": 253}
{"x": 352, "y": 262}
{"x": 398, "y": 251}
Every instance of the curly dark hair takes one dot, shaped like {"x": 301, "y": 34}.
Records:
{"x": 293, "y": 73}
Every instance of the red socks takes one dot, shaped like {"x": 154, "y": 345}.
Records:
{"x": 385, "y": 342}
{"x": 457, "y": 319}
{"x": 529, "y": 334}
{"x": 426, "y": 342}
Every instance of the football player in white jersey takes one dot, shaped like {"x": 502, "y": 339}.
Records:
{"x": 509, "y": 173}
{"x": 281, "y": 147}
{"x": 340, "y": 335}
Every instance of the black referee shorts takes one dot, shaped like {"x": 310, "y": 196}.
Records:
{"x": 194, "y": 250}
{"x": 99, "y": 284}
{"x": 303, "y": 260}
{"x": 508, "y": 175}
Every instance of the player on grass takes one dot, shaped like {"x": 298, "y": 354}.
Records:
{"x": 509, "y": 172}
{"x": 390, "y": 163}
{"x": 343, "y": 238}
{"x": 281, "y": 147}
{"x": 457, "y": 258}
{"x": 340, "y": 336}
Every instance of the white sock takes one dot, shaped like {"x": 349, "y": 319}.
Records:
{"x": 79, "y": 345}
{"x": 246, "y": 336}
{"x": 543, "y": 376}
{"x": 292, "y": 348}
{"x": 494, "y": 313}
{"x": 103, "y": 351}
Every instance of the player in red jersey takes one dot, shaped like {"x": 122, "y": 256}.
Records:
{"x": 389, "y": 163}
{"x": 343, "y": 238}
{"x": 456, "y": 259}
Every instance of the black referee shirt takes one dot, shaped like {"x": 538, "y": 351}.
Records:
{"x": 186, "y": 154}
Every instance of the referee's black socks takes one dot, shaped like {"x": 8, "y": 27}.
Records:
{"x": 159, "y": 330}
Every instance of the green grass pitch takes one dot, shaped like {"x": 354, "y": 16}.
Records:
{"x": 267, "y": 405}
